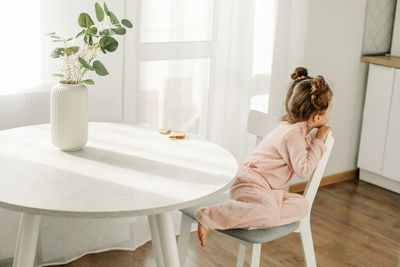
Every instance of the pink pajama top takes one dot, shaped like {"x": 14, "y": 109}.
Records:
{"x": 287, "y": 150}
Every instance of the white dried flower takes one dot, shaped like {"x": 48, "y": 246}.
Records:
{"x": 70, "y": 67}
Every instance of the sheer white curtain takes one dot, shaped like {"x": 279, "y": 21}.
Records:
{"x": 243, "y": 71}
{"x": 289, "y": 48}
{"x": 192, "y": 65}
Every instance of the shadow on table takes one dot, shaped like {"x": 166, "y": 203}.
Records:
{"x": 151, "y": 167}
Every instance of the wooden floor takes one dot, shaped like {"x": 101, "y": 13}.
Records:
{"x": 353, "y": 224}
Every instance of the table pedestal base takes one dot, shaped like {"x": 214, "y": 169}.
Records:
{"x": 28, "y": 234}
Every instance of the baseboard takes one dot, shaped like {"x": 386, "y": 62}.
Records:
{"x": 331, "y": 179}
{"x": 380, "y": 181}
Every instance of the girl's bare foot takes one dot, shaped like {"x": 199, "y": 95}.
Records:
{"x": 202, "y": 234}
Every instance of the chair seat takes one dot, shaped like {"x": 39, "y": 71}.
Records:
{"x": 252, "y": 236}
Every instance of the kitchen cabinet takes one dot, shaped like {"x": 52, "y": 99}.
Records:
{"x": 379, "y": 158}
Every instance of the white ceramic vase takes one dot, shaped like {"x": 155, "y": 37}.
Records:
{"x": 69, "y": 116}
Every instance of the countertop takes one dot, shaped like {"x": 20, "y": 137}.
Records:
{"x": 386, "y": 60}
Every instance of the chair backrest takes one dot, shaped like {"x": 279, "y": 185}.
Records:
{"x": 260, "y": 124}
{"x": 315, "y": 180}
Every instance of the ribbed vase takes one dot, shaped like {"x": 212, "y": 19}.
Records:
{"x": 69, "y": 116}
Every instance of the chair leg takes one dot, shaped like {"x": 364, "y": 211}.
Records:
{"x": 241, "y": 255}
{"x": 255, "y": 255}
{"x": 306, "y": 240}
{"x": 184, "y": 235}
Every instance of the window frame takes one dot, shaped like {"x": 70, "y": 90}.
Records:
{"x": 137, "y": 51}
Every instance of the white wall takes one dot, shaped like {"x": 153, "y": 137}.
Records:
{"x": 331, "y": 46}
{"x": 334, "y": 49}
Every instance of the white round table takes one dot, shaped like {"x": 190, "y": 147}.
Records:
{"x": 123, "y": 170}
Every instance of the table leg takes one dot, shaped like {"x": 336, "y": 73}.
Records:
{"x": 28, "y": 234}
{"x": 155, "y": 240}
{"x": 167, "y": 240}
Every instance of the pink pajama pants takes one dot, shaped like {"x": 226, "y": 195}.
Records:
{"x": 253, "y": 205}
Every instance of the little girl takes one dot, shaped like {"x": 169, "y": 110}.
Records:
{"x": 258, "y": 198}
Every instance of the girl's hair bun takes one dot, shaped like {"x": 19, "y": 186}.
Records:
{"x": 298, "y": 72}
{"x": 319, "y": 87}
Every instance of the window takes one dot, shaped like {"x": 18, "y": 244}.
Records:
{"x": 170, "y": 61}
{"x": 20, "y": 46}
{"x": 211, "y": 53}
{"x": 263, "y": 41}
{"x": 171, "y": 92}
{"x": 176, "y": 20}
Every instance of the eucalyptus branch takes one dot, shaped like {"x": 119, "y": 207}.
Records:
{"x": 95, "y": 37}
{"x": 83, "y": 55}
{"x": 90, "y": 60}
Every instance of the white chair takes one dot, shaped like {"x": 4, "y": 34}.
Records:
{"x": 260, "y": 124}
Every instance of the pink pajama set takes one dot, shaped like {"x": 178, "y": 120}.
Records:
{"x": 258, "y": 198}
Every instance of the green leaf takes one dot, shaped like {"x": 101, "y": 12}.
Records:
{"x": 58, "y": 75}
{"x": 72, "y": 50}
{"x": 107, "y": 32}
{"x": 69, "y": 39}
{"x": 93, "y": 30}
{"x": 114, "y": 19}
{"x": 58, "y": 41}
{"x": 99, "y": 68}
{"x": 85, "y": 64}
{"x": 88, "y": 39}
{"x": 106, "y": 9}
{"x": 102, "y": 50}
{"x": 80, "y": 33}
{"x": 85, "y": 21}
{"x": 88, "y": 81}
{"x": 53, "y": 35}
{"x": 108, "y": 43}
{"x": 57, "y": 52}
{"x": 119, "y": 30}
{"x": 126, "y": 23}
{"x": 99, "y": 12}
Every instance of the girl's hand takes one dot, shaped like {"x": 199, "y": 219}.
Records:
{"x": 323, "y": 132}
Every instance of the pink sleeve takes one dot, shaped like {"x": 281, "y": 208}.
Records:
{"x": 304, "y": 159}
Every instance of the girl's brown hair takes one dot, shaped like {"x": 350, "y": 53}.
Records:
{"x": 306, "y": 96}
